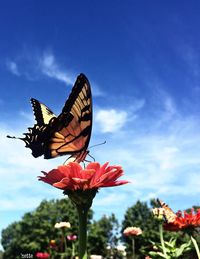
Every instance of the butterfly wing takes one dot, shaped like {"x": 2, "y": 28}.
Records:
{"x": 74, "y": 124}
{"x": 169, "y": 215}
{"x": 70, "y": 132}
{"x": 41, "y": 112}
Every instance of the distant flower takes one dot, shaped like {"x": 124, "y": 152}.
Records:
{"x": 62, "y": 225}
{"x": 184, "y": 221}
{"x": 71, "y": 237}
{"x": 52, "y": 243}
{"x": 96, "y": 257}
{"x": 132, "y": 231}
{"x": 42, "y": 255}
{"x": 73, "y": 177}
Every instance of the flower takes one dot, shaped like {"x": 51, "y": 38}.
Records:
{"x": 73, "y": 177}
{"x": 71, "y": 237}
{"x": 184, "y": 221}
{"x": 132, "y": 231}
{"x": 52, "y": 243}
{"x": 42, "y": 255}
{"x": 62, "y": 225}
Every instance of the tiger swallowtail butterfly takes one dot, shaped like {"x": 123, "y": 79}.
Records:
{"x": 169, "y": 215}
{"x": 67, "y": 134}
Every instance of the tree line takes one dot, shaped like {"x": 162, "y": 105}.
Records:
{"x": 35, "y": 232}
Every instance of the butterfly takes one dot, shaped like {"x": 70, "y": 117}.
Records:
{"x": 169, "y": 215}
{"x": 67, "y": 134}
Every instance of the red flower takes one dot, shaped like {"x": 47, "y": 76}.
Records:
{"x": 73, "y": 177}
{"x": 71, "y": 237}
{"x": 184, "y": 221}
{"x": 42, "y": 255}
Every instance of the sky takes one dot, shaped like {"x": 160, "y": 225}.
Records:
{"x": 142, "y": 59}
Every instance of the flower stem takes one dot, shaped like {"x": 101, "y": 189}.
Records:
{"x": 133, "y": 247}
{"x": 82, "y": 215}
{"x": 64, "y": 243}
{"x": 73, "y": 249}
{"x": 162, "y": 240}
{"x": 196, "y": 247}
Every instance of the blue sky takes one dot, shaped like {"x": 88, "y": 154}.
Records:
{"x": 143, "y": 61}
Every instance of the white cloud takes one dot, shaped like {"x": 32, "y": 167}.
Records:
{"x": 33, "y": 66}
{"x": 49, "y": 67}
{"x": 110, "y": 120}
{"x": 13, "y": 68}
{"x": 159, "y": 159}
{"x": 109, "y": 200}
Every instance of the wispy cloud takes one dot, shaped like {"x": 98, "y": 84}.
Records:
{"x": 33, "y": 67}
{"x": 50, "y": 67}
{"x": 110, "y": 120}
{"x": 13, "y": 68}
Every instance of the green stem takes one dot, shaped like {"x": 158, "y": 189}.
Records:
{"x": 196, "y": 247}
{"x": 162, "y": 240}
{"x": 73, "y": 249}
{"x": 82, "y": 215}
{"x": 64, "y": 241}
{"x": 133, "y": 247}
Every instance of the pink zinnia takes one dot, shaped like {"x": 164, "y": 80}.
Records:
{"x": 73, "y": 177}
{"x": 132, "y": 231}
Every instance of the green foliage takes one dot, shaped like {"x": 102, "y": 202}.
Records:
{"x": 103, "y": 233}
{"x": 171, "y": 249}
{"x": 34, "y": 232}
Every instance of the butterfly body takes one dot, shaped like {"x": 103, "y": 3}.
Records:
{"x": 67, "y": 134}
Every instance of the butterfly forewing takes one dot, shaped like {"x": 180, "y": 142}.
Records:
{"x": 75, "y": 122}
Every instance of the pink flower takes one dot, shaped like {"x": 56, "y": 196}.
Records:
{"x": 132, "y": 231}
{"x": 71, "y": 237}
{"x": 73, "y": 177}
{"x": 42, "y": 255}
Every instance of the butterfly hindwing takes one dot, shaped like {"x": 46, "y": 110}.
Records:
{"x": 41, "y": 112}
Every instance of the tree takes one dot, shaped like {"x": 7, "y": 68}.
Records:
{"x": 34, "y": 232}
{"x": 140, "y": 216}
{"x": 103, "y": 233}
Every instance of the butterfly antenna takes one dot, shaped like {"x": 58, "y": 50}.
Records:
{"x": 8, "y": 136}
{"x": 97, "y": 145}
